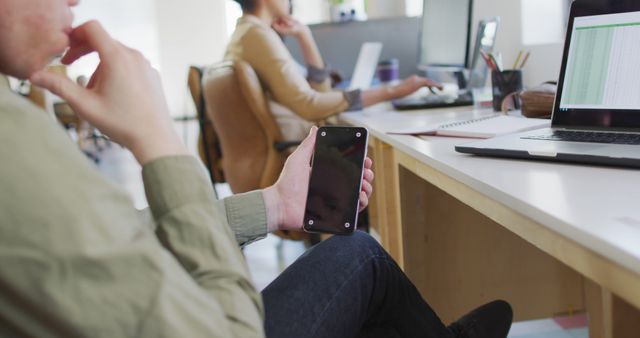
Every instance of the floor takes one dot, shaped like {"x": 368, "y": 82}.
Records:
{"x": 269, "y": 257}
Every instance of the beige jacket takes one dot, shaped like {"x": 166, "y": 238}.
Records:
{"x": 296, "y": 101}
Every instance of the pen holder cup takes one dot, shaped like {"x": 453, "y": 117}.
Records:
{"x": 389, "y": 71}
{"x": 505, "y": 83}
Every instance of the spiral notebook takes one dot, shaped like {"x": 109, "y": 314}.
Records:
{"x": 484, "y": 127}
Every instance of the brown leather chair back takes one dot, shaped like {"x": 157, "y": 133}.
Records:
{"x": 208, "y": 142}
{"x": 246, "y": 129}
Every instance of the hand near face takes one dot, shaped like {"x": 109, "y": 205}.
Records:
{"x": 286, "y": 200}
{"x": 289, "y": 26}
{"x": 124, "y": 98}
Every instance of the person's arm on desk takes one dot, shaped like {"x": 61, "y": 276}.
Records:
{"x": 407, "y": 87}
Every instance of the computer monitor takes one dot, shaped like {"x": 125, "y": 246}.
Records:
{"x": 485, "y": 42}
{"x": 445, "y": 35}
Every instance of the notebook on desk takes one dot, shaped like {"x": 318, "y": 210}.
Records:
{"x": 483, "y": 128}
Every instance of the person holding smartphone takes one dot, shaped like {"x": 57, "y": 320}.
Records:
{"x": 78, "y": 260}
{"x": 297, "y": 102}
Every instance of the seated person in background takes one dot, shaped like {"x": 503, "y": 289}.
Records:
{"x": 297, "y": 103}
{"x": 78, "y": 260}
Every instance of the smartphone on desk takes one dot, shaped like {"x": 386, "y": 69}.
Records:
{"x": 336, "y": 180}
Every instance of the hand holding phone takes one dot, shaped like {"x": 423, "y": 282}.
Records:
{"x": 336, "y": 180}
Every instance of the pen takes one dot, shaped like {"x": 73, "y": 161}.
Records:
{"x": 495, "y": 62}
{"x": 515, "y": 64}
{"x": 493, "y": 65}
{"x": 526, "y": 58}
{"x": 487, "y": 59}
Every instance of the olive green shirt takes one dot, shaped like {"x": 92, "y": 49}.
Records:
{"x": 78, "y": 260}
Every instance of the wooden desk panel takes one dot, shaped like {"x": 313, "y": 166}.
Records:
{"x": 460, "y": 259}
{"x": 461, "y": 249}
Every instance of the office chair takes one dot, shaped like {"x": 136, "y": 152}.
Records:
{"x": 208, "y": 143}
{"x": 240, "y": 140}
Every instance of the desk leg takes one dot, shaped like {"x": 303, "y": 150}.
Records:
{"x": 384, "y": 205}
{"x": 394, "y": 237}
{"x": 610, "y": 316}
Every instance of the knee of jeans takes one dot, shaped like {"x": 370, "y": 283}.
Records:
{"x": 362, "y": 243}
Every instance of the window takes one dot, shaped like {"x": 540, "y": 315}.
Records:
{"x": 543, "y": 21}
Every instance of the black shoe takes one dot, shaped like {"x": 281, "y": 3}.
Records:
{"x": 492, "y": 320}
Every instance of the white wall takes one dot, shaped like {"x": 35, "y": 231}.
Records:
{"x": 545, "y": 60}
{"x": 172, "y": 34}
{"x": 311, "y": 11}
{"x": 132, "y": 22}
{"x": 191, "y": 32}
{"x": 386, "y": 8}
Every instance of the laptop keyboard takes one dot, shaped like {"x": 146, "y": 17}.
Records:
{"x": 588, "y": 137}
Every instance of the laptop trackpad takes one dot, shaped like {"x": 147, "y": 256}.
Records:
{"x": 552, "y": 150}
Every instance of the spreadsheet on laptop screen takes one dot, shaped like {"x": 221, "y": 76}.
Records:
{"x": 603, "y": 68}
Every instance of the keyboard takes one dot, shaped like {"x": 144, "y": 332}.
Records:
{"x": 434, "y": 101}
{"x": 588, "y": 137}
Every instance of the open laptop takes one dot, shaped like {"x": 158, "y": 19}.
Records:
{"x": 596, "y": 116}
{"x": 365, "y": 69}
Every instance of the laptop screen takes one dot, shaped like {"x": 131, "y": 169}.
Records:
{"x": 600, "y": 80}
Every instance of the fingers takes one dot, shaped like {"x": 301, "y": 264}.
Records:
{"x": 86, "y": 39}
{"x": 367, "y": 188}
{"x": 62, "y": 86}
{"x": 368, "y": 175}
{"x": 75, "y": 53}
{"x": 364, "y": 201}
{"x": 94, "y": 78}
{"x": 434, "y": 84}
{"x": 311, "y": 138}
{"x": 425, "y": 82}
{"x": 419, "y": 82}
{"x": 368, "y": 163}
{"x": 305, "y": 150}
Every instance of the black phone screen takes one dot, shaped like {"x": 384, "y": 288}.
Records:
{"x": 336, "y": 178}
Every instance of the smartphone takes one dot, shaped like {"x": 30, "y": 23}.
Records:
{"x": 337, "y": 170}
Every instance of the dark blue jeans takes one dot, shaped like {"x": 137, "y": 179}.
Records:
{"x": 347, "y": 287}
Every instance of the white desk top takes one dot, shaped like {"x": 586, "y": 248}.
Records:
{"x": 597, "y": 207}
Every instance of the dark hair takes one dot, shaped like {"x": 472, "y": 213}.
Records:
{"x": 247, "y": 5}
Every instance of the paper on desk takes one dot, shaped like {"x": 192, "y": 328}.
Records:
{"x": 484, "y": 127}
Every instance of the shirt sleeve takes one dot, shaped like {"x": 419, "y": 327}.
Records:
{"x": 354, "y": 97}
{"x": 246, "y": 215}
{"x": 191, "y": 227}
{"x": 275, "y": 67}
{"x": 319, "y": 78}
